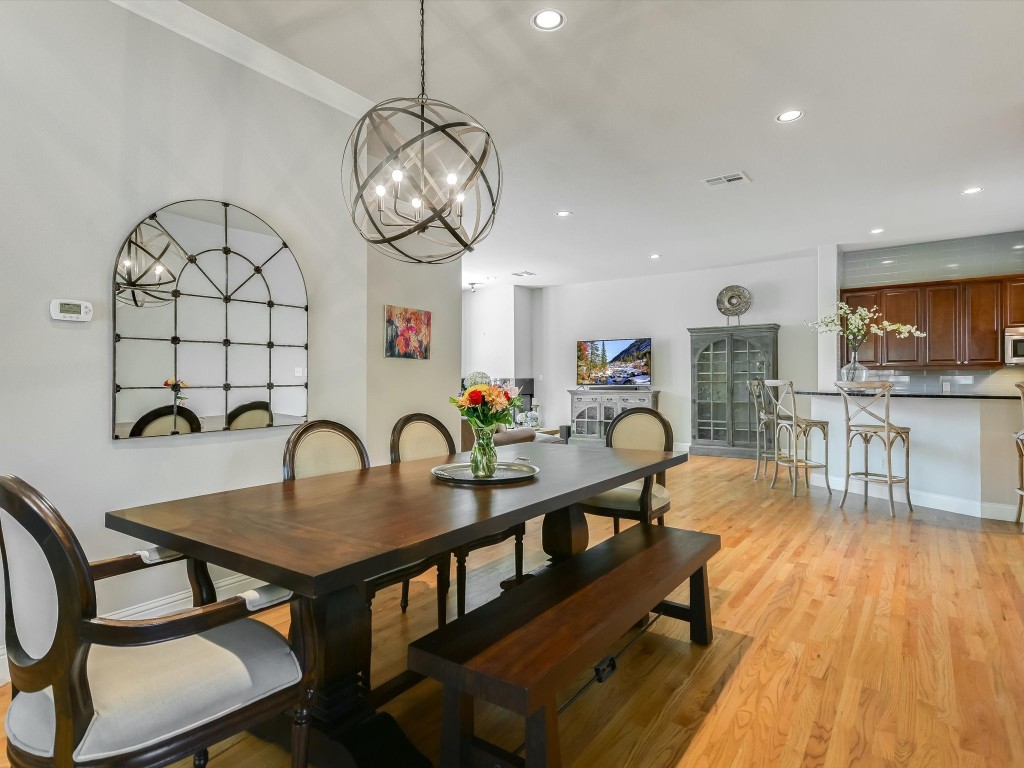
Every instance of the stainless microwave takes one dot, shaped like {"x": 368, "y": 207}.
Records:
{"x": 1014, "y": 346}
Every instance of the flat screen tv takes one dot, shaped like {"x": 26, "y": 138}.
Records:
{"x": 614, "y": 361}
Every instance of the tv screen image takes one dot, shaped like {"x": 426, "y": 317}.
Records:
{"x": 614, "y": 361}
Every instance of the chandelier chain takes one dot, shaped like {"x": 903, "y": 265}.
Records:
{"x": 423, "y": 60}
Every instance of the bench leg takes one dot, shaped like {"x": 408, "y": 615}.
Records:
{"x": 456, "y": 728}
{"x": 700, "y": 608}
{"x": 542, "y": 749}
{"x": 460, "y": 584}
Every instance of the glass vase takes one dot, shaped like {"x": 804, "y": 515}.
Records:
{"x": 483, "y": 459}
{"x": 853, "y": 370}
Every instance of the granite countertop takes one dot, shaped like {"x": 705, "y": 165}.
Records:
{"x": 922, "y": 395}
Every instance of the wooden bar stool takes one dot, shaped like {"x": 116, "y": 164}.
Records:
{"x": 765, "y": 420}
{"x": 876, "y": 426}
{"x": 1019, "y": 438}
{"x": 796, "y": 429}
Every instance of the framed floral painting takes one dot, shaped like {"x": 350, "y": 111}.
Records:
{"x": 406, "y": 332}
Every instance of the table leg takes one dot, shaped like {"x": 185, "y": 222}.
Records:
{"x": 343, "y": 636}
{"x": 565, "y": 533}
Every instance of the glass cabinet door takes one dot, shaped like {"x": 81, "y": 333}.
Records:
{"x": 748, "y": 362}
{"x": 712, "y": 396}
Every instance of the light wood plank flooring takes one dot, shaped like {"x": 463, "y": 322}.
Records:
{"x": 843, "y": 638}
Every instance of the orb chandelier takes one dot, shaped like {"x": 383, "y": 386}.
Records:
{"x": 148, "y": 265}
{"x": 422, "y": 178}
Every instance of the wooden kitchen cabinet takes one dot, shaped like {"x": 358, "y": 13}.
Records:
{"x": 963, "y": 320}
{"x": 902, "y": 305}
{"x": 1013, "y": 296}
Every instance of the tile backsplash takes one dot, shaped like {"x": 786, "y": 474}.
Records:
{"x": 940, "y": 260}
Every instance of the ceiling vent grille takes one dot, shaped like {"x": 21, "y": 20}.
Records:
{"x": 524, "y": 273}
{"x": 728, "y": 179}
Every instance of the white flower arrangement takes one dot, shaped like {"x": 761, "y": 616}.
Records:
{"x": 477, "y": 377}
{"x": 855, "y": 325}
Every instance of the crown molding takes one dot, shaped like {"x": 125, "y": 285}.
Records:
{"x": 210, "y": 33}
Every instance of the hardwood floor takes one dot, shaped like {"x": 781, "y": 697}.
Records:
{"x": 843, "y": 638}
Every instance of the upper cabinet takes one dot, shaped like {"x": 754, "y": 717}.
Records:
{"x": 963, "y": 321}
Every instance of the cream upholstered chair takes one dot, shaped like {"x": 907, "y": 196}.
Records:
{"x": 876, "y": 425}
{"x": 89, "y": 691}
{"x": 797, "y": 431}
{"x": 1019, "y": 440}
{"x": 421, "y": 436}
{"x": 254, "y": 415}
{"x": 642, "y": 500}
{"x": 765, "y": 415}
{"x": 323, "y": 447}
{"x": 166, "y": 420}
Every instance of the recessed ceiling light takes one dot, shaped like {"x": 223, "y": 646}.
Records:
{"x": 548, "y": 20}
{"x": 1019, "y": 247}
{"x": 563, "y": 214}
{"x": 655, "y": 255}
{"x": 889, "y": 261}
{"x": 952, "y": 265}
{"x": 790, "y": 116}
{"x": 877, "y": 231}
{"x": 971, "y": 191}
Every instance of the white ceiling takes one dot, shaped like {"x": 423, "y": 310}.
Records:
{"x": 620, "y": 115}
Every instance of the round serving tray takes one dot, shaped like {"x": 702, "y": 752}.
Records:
{"x": 506, "y": 472}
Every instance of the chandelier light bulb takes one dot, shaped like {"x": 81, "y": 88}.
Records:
{"x": 127, "y": 263}
{"x": 380, "y": 190}
{"x": 452, "y": 179}
{"x": 460, "y": 197}
{"x": 397, "y": 175}
{"x": 158, "y": 269}
{"x": 416, "y": 202}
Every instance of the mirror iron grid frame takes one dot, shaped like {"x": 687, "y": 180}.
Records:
{"x": 175, "y": 294}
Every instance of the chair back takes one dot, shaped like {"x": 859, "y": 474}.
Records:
{"x": 321, "y": 448}
{"x": 781, "y": 398}
{"x": 1020, "y": 388}
{"x": 419, "y": 436}
{"x": 48, "y": 590}
{"x": 166, "y": 420}
{"x": 254, "y": 415}
{"x": 877, "y": 393}
{"x": 760, "y": 398}
{"x": 641, "y": 429}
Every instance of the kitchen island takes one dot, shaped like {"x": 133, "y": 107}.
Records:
{"x": 962, "y": 453}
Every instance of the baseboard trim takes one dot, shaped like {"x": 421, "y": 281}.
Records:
{"x": 161, "y": 606}
{"x": 956, "y": 504}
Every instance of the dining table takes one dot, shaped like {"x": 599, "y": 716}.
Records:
{"x": 322, "y": 537}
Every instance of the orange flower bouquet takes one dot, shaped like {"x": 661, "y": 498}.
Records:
{"x": 485, "y": 406}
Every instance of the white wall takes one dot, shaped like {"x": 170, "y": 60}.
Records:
{"x": 398, "y": 386}
{"x": 663, "y": 307}
{"x": 107, "y": 116}
{"x": 488, "y": 343}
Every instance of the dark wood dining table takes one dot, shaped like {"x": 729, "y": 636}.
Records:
{"x": 321, "y": 537}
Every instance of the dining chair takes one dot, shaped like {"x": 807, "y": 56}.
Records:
{"x": 322, "y": 447}
{"x": 166, "y": 420}
{"x": 644, "y": 500}
{"x": 765, "y": 419}
{"x": 876, "y": 425}
{"x": 254, "y": 415}
{"x": 1019, "y": 439}
{"x": 421, "y": 436}
{"x": 102, "y": 693}
{"x": 797, "y": 430}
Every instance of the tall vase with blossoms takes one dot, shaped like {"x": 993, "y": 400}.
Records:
{"x": 485, "y": 406}
{"x": 854, "y": 326}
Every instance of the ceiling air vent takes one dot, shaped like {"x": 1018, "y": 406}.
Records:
{"x": 524, "y": 273}
{"x": 728, "y": 179}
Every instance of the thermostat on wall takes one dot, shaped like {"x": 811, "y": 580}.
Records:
{"x": 71, "y": 309}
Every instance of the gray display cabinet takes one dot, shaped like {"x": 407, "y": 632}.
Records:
{"x": 723, "y": 420}
{"x": 593, "y": 410}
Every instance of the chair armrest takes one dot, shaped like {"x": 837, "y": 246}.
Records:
{"x": 137, "y": 561}
{"x": 175, "y": 626}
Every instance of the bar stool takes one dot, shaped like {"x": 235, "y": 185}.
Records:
{"x": 783, "y": 404}
{"x": 878, "y": 426}
{"x": 1019, "y": 438}
{"x": 765, "y": 417}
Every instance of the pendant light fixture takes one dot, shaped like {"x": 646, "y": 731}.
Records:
{"x": 422, "y": 179}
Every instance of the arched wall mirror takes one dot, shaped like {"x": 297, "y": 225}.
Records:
{"x": 210, "y": 324}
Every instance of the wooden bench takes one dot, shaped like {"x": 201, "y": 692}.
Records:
{"x": 520, "y": 650}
